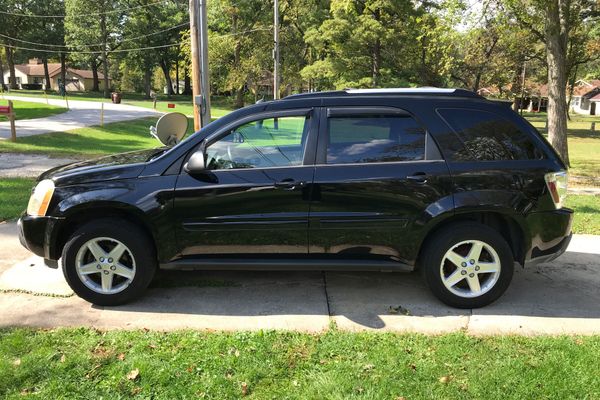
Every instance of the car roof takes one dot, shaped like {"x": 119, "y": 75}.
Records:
{"x": 422, "y": 91}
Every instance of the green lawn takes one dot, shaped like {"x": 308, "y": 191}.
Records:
{"x": 584, "y": 147}
{"x": 27, "y": 110}
{"x": 587, "y": 213}
{"x": 85, "y": 363}
{"x": 14, "y": 195}
{"x": 113, "y": 138}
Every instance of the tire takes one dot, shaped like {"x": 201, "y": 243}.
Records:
{"x": 456, "y": 285}
{"x": 109, "y": 282}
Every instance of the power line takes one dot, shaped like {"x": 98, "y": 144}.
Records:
{"x": 126, "y": 50}
{"x": 92, "y": 52}
{"x": 91, "y": 45}
{"x": 84, "y": 15}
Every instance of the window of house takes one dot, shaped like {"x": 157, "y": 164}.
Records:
{"x": 488, "y": 137}
{"x": 374, "y": 138}
{"x": 271, "y": 142}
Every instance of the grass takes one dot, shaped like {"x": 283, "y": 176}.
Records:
{"x": 584, "y": 146}
{"x": 587, "y": 213}
{"x": 85, "y": 363}
{"x": 27, "y": 110}
{"x": 87, "y": 142}
{"x": 14, "y": 195}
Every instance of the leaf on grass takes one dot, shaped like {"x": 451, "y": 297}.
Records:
{"x": 133, "y": 374}
{"x": 445, "y": 379}
{"x": 368, "y": 367}
{"x": 63, "y": 358}
{"x": 400, "y": 398}
{"x": 398, "y": 310}
{"x": 17, "y": 362}
{"x": 121, "y": 356}
{"x": 244, "y": 388}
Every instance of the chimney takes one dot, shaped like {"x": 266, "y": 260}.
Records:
{"x": 35, "y": 61}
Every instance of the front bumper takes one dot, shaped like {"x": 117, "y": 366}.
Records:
{"x": 38, "y": 235}
{"x": 550, "y": 235}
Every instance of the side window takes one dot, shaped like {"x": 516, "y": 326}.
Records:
{"x": 374, "y": 138}
{"x": 271, "y": 142}
{"x": 488, "y": 137}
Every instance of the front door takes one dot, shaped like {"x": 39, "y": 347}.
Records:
{"x": 374, "y": 181}
{"x": 253, "y": 198}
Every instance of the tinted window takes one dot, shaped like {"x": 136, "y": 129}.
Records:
{"x": 488, "y": 137}
{"x": 374, "y": 138}
{"x": 272, "y": 142}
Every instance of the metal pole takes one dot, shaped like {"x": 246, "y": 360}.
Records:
{"x": 205, "y": 89}
{"x": 276, "y": 70}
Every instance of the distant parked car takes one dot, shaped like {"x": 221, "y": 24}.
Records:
{"x": 437, "y": 180}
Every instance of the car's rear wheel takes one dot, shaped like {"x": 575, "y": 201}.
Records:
{"x": 109, "y": 262}
{"x": 467, "y": 265}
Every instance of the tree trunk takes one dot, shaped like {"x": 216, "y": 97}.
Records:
{"x": 95, "y": 80}
{"x": 147, "y": 83}
{"x": 1, "y": 72}
{"x": 177, "y": 75}
{"x": 12, "y": 80}
{"x": 104, "y": 34}
{"x": 376, "y": 55}
{"x": 187, "y": 83}
{"x": 46, "y": 74}
{"x": 239, "y": 98}
{"x": 571, "y": 89}
{"x": 164, "y": 65}
{"x": 63, "y": 71}
{"x": 556, "y": 51}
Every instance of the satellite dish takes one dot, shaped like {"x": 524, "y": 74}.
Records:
{"x": 170, "y": 128}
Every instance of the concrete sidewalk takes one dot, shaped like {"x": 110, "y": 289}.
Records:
{"x": 81, "y": 114}
{"x": 561, "y": 297}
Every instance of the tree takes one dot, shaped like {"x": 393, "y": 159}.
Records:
{"x": 12, "y": 26}
{"x": 553, "y": 23}
{"x": 92, "y": 27}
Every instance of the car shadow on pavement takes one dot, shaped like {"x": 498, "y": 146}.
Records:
{"x": 566, "y": 288}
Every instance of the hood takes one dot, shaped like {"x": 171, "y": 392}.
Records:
{"x": 118, "y": 166}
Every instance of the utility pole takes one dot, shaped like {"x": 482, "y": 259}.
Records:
{"x": 200, "y": 83}
{"x": 276, "y": 69}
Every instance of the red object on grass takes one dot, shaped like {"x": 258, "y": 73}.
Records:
{"x": 5, "y": 110}
{"x": 171, "y": 105}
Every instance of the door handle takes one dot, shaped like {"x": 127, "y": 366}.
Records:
{"x": 418, "y": 177}
{"x": 289, "y": 184}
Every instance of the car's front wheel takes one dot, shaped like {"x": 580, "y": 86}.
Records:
{"x": 109, "y": 262}
{"x": 467, "y": 265}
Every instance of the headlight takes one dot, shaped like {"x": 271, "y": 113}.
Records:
{"x": 40, "y": 199}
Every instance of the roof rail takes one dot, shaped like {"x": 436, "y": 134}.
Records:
{"x": 389, "y": 91}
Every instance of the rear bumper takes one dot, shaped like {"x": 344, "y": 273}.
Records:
{"x": 550, "y": 235}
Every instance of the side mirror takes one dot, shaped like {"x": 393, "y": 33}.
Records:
{"x": 196, "y": 163}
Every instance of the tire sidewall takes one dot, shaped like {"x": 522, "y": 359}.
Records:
{"x": 127, "y": 233}
{"x": 448, "y": 238}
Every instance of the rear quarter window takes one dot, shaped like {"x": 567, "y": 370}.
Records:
{"x": 486, "y": 136}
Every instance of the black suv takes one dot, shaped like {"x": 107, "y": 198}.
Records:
{"x": 438, "y": 180}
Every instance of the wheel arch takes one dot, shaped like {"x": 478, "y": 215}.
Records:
{"x": 508, "y": 227}
{"x": 84, "y": 213}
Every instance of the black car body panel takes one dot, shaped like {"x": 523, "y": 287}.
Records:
{"x": 371, "y": 211}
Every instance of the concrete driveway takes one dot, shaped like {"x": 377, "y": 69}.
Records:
{"x": 562, "y": 297}
{"x": 81, "y": 114}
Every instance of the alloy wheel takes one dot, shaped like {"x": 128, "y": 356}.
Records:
{"x": 470, "y": 268}
{"x": 105, "y": 265}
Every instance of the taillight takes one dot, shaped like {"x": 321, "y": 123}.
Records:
{"x": 557, "y": 186}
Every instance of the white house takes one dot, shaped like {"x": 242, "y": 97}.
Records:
{"x": 586, "y": 97}
{"x": 31, "y": 75}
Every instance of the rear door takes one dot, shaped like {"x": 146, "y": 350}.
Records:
{"x": 378, "y": 178}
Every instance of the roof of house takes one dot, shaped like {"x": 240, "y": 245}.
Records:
{"x": 54, "y": 69}
{"x": 584, "y": 88}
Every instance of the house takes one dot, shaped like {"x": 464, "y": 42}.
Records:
{"x": 31, "y": 76}
{"x": 586, "y": 97}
